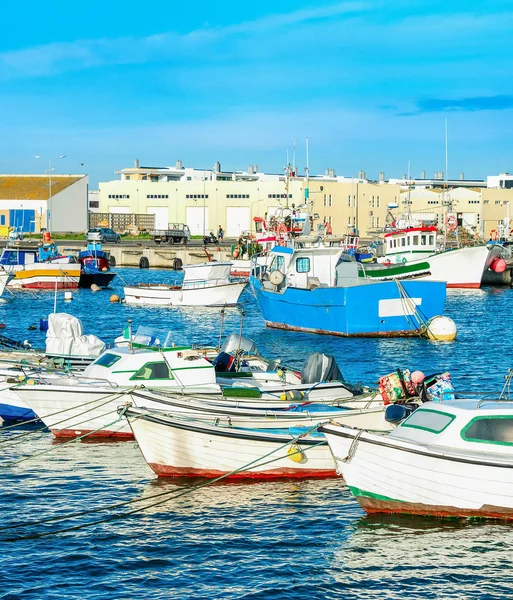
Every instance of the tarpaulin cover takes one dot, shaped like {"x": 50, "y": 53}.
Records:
{"x": 65, "y": 338}
{"x": 320, "y": 367}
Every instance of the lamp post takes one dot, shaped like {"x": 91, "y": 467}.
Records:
{"x": 50, "y": 169}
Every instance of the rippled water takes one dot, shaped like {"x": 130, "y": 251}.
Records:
{"x": 242, "y": 540}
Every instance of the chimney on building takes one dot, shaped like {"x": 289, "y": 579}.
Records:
{"x": 361, "y": 174}
{"x": 462, "y": 176}
{"x": 217, "y": 167}
{"x": 381, "y": 176}
{"x": 136, "y": 163}
{"x": 179, "y": 165}
{"x": 423, "y": 175}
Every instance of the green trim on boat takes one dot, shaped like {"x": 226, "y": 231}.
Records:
{"x": 235, "y": 375}
{"x": 393, "y": 270}
{"x": 242, "y": 392}
{"x": 358, "y": 492}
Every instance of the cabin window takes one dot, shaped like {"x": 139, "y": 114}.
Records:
{"x": 107, "y": 360}
{"x": 489, "y": 430}
{"x": 431, "y": 240}
{"x": 403, "y": 242}
{"x": 415, "y": 240}
{"x": 390, "y": 243}
{"x": 407, "y": 241}
{"x": 277, "y": 263}
{"x": 153, "y": 370}
{"x": 429, "y": 420}
{"x": 423, "y": 240}
{"x": 303, "y": 264}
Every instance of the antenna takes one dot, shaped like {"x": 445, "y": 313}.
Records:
{"x": 307, "y": 165}
{"x": 294, "y": 157}
{"x": 446, "y": 152}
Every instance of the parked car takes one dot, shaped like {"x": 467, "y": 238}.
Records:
{"x": 103, "y": 234}
{"x": 175, "y": 234}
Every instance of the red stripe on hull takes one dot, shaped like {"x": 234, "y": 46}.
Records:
{"x": 372, "y": 506}
{"x": 102, "y": 434}
{"x": 468, "y": 286}
{"x": 239, "y": 273}
{"x": 169, "y": 471}
{"x": 50, "y": 286}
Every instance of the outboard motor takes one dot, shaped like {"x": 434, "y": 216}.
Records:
{"x": 320, "y": 367}
{"x": 396, "y": 413}
{"x": 223, "y": 363}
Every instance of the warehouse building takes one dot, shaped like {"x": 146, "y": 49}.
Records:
{"x": 31, "y": 203}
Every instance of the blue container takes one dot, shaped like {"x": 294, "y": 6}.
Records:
{"x": 43, "y": 324}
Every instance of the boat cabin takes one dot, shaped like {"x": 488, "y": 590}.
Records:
{"x": 206, "y": 274}
{"x": 173, "y": 367}
{"x": 409, "y": 243}
{"x": 462, "y": 425}
{"x": 29, "y": 255}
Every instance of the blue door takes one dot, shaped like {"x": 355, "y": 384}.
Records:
{"x": 23, "y": 220}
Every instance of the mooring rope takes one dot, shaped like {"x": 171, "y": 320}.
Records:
{"x": 75, "y": 439}
{"x": 109, "y": 397}
{"x": 173, "y": 494}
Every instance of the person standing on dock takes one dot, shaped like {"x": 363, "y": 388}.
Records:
{"x": 220, "y": 233}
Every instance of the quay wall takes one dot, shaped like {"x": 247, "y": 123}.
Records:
{"x": 163, "y": 258}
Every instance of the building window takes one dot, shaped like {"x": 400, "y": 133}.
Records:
{"x": 237, "y": 196}
{"x": 158, "y": 196}
{"x": 127, "y": 176}
{"x": 2, "y": 219}
{"x": 325, "y": 204}
{"x": 377, "y": 221}
{"x": 330, "y": 200}
{"x": 118, "y": 196}
{"x": 486, "y": 201}
{"x": 349, "y": 200}
{"x": 92, "y": 204}
{"x": 196, "y": 196}
{"x": 497, "y": 202}
{"x": 377, "y": 201}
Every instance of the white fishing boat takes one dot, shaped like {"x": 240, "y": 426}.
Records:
{"x": 450, "y": 459}
{"x": 5, "y": 278}
{"x": 413, "y": 252}
{"x": 183, "y": 447}
{"x": 205, "y": 284}
{"x": 95, "y": 394}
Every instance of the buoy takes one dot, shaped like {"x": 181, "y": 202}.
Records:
{"x": 417, "y": 377}
{"x": 292, "y": 396}
{"x": 47, "y": 237}
{"x": 68, "y": 296}
{"x": 94, "y": 287}
{"x": 296, "y": 454}
{"x": 105, "y": 269}
{"x": 441, "y": 329}
{"x": 498, "y": 265}
{"x": 114, "y": 298}
{"x": 43, "y": 325}
{"x": 32, "y": 327}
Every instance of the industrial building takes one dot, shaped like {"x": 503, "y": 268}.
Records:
{"x": 206, "y": 199}
{"x": 31, "y": 203}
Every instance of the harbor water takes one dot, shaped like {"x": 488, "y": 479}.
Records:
{"x": 257, "y": 540}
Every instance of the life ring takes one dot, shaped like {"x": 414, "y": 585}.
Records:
{"x": 494, "y": 235}
{"x": 452, "y": 222}
{"x": 144, "y": 263}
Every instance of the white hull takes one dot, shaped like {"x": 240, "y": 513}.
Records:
{"x": 5, "y": 278}
{"x": 175, "y": 448}
{"x": 44, "y": 275}
{"x": 162, "y": 295}
{"x": 391, "y": 475}
{"x": 460, "y": 268}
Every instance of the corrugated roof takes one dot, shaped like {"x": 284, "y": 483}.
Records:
{"x": 29, "y": 187}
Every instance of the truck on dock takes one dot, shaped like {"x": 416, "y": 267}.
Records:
{"x": 177, "y": 233}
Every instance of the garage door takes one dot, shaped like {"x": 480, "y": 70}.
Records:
{"x": 23, "y": 220}
{"x": 237, "y": 220}
{"x": 196, "y": 218}
{"x": 161, "y": 216}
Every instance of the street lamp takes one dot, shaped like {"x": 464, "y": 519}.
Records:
{"x": 50, "y": 169}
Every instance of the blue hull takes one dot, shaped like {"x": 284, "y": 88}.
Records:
{"x": 374, "y": 309}
{"x": 8, "y": 412}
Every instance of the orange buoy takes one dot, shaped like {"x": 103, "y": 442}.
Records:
{"x": 47, "y": 237}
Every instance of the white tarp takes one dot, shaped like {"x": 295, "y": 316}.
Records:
{"x": 65, "y": 338}
{"x": 210, "y": 271}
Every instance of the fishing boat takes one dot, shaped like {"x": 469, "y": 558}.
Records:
{"x": 413, "y": 252}
{"x": 95, "y": 394}
{"x": 5, "y": 278}
{"x": 204, "y": 284}
{"x": 40, "y": 267}
{"x": 184, "y": 447}
{"x": 447, "y": 459}
{"x": 320, "y": 290}
{"x": 95, "y": 266}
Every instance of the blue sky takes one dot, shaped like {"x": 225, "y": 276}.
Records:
{"x": 370, "y": 83}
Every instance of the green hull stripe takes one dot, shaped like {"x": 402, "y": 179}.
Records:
{"x": 394, "y": 270}
{"x": 358, "y": 492}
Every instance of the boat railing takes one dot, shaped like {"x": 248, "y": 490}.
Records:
{"x": 206, "y": 283}
{"x": 99, "y": 380}
{"x": 492, "y": 396}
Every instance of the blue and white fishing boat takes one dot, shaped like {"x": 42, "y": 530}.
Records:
{"x": 321, "y": 290}
{"x": 95, "y": 266}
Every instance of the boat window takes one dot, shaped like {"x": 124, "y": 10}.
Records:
{"x": 429, "y": 420}
{"x": 423, "y": 240}
{"x": 489, "y": 430}
{"x": 107, "y": 360}
{"x": 431, "y": 240}
{"x": 277, "y": 263}
{"x": 390, "y": 243}
{"x": 403, "y": 242}
{"x": 153, "y": 370}
{"x": 408, "y": 241}
{"x": 415, "y": 240}
{"x": 303, "y": 264}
